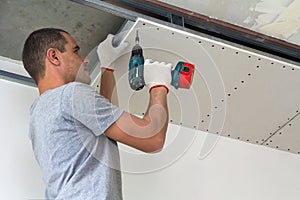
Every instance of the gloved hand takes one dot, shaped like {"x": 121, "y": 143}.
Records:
{"x": 157, "y": 74}
{"x": 107, "y": 54}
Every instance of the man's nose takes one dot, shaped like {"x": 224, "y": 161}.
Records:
{"x": 85, "y": 60}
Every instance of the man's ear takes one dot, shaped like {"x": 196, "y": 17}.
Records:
{"x": 52, "y": 56}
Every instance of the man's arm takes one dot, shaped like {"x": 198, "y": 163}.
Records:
{"x": 108, "y": 86}
{"x": 146, "y": 134}
{"x": 107, "y": 54}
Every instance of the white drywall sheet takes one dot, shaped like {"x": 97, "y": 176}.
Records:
{"x": 236, "y": 92}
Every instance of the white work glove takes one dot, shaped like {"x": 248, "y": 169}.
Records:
{"x": 107, "y": 54}
{"x": 157, "y": 74}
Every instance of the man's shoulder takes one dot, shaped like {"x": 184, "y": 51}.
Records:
{"x": 75, "y": 88}
{"x": 78, "y": 86}
{"x": 65, "y": 91}
{"x": 77, "y": 94}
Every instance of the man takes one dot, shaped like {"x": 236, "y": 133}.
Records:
{"x": 73, "y": 129}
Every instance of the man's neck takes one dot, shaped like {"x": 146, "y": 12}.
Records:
{"x": 45, "y": 85}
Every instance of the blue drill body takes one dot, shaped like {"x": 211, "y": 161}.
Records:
{"x": 136, "y": 67}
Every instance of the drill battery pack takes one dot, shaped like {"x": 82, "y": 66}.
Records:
{"x": 182, "y": 75}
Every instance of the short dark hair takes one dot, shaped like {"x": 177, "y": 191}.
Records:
{"x": 35, "y": 50}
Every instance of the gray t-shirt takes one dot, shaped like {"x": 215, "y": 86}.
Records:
{"x": 77, "y": 160}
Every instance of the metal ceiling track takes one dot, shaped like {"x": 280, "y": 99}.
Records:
{"x": 157, "y": 10}
{"x": 17, "y": 78}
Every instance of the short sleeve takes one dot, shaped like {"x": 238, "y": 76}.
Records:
{"x": 88, "y": 108}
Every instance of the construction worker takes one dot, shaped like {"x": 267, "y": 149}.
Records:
{"x": 73, "y": 129}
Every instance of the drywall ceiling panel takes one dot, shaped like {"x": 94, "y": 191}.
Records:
{"x": 261, "y": 91}
{"x": 287, "y": 138}
{"x": 235, "y": 92}
{"x": 264, "y": 102}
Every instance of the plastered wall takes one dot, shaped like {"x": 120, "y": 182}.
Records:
{"x": 20, "y": 175}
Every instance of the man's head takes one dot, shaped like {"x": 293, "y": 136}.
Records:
{"x": 54, "y": 54}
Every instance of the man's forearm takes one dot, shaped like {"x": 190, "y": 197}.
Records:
{"x": 108, "y": 86}
{"x": 148, "y": 133}
{"x": 158, "y": 101}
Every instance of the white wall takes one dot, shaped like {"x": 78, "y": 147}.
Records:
{"x": 19, "y": 172}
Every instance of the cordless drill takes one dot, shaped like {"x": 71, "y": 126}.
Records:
{"x": 136, "y": 66}
{"x": 182, "y": 74}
